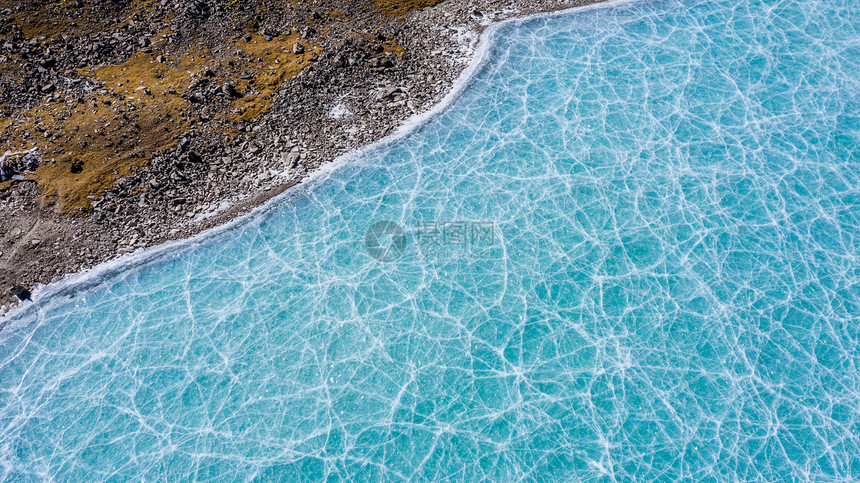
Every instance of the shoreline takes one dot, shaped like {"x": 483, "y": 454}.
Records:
{"x": 261, "y": 201}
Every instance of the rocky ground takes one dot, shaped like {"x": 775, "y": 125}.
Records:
{"x": 132, "y": 122}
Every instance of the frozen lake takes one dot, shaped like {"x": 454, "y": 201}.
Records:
{"x": 630, "y": 249}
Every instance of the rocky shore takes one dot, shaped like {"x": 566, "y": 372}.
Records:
{"x": 164, "y": 118}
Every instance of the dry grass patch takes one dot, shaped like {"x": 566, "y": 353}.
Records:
{"x": 50, "y": 19}
{"x": 142, "y": 109}
{"x": 399, "y": 8}
{"x": 271, "y": 62}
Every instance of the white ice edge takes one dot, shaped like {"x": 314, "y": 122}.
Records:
{"x": 43, "y": 295}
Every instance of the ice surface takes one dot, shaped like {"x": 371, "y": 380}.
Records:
{"x": 673, "y": 291}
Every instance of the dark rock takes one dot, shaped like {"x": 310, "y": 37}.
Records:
{"x": 29, "y": 162}
{"x": 389, "y": 92}
{"x": 76, "y": 167}
{"x": 197, "y": 10}
{"x": 20, "y": 292}
{"x": 194, "y": 157}
{"x": 298, "y": 48}
{"x": 231, "y": 91}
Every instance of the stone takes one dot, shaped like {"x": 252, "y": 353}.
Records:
{"x": 21, "y": 292}
{"x": 389, "y": 92}
{"x": 194, "y": 157}
{"x": 230, "y": 90}
{"x": 298, "y": 48}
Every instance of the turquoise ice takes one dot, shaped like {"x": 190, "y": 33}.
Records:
{"x": 671, "y": 289}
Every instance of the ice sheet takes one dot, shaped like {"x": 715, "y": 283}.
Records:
{"x": 670, "y": 288}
